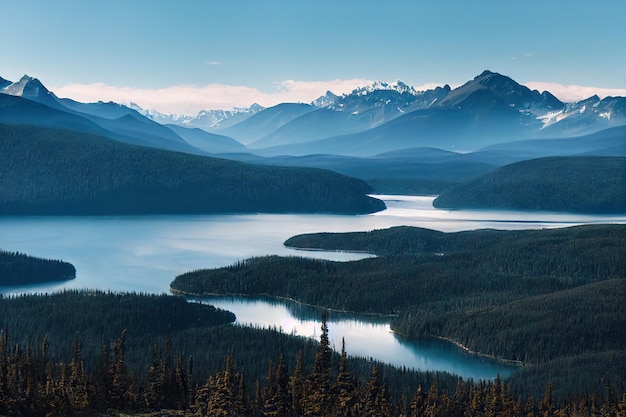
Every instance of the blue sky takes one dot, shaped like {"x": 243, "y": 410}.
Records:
{"x": 185, "y": 55}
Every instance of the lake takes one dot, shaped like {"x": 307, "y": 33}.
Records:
{"x": 145, "y": 253}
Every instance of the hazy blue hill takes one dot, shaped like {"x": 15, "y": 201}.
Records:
{"x": 108, "y": 110}
{"x": 462, "y": 129}
{"x": 574, "y": 184}
{"x": 266, "y": 121}
{"x": 115, "y": 121}
{"x": 208, "y": 142}
{"x": 363, "y": 109}
{"x": 4, "y": 83}
{"x": 311, "y": 126}
{"x": 54, "y": 171}
{"x": 421, "y": 171}
{"x": 19, "y": 110}
{"x": 139, "y": 130}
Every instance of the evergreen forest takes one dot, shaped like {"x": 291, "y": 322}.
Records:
{"x": 570, "y": 184}
{"x": 184, "y": 359}
{"x": 20, "y": 269}
{"x": 541, "y": 298}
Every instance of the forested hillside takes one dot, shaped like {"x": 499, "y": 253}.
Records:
{"x": 533, "y": 295}
{"x": 53, "y": 171}
{"x": 21, "y": 269}
{"x": 180, "y": 359}
{"x": 572, "y": 184}
{"x": 86, "y": 352}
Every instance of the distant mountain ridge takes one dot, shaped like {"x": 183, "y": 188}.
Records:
{"x": 383, "y": 117}
{"x": 28, "y": 101}
{"x": 491, "y": 108}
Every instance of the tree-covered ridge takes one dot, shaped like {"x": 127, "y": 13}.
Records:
{"x": 530, "y": 295}
{"x": 573, "y": 184}
{"x": 432, "y": 267}
{"x": 21, "y": 269}
{"x": 408, "y": 240}
{"x": 54, "y": 171}
{"x": 34, "y": 384}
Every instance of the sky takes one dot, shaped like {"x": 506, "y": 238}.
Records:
{"x": 187, "y": 55}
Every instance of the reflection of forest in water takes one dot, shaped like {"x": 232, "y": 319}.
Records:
{"x": 367, "y": 336}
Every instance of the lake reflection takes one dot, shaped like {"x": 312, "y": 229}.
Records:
{"x": 368, "y": 337}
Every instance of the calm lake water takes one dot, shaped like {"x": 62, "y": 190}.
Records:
{"x": 145, "y": 253}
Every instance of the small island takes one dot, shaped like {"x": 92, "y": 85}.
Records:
{"x": 20, "y": 269}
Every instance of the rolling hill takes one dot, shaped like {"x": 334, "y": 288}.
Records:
{"x": 571, "y": 184}
{"x": 55, "y": 171}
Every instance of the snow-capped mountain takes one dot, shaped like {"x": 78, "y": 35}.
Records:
{"x": 327, "y": 100}
{"x": 32, "y": 103}
{"x": 491, "y": 108}
{"x": 585, "y": 117}
{"x": 397, "y": 86}
{"x": 488, "y": 109}
{"x": 362, "y": 109}
{"x": 32, "y": 89}
{"x": 210, "y": 120}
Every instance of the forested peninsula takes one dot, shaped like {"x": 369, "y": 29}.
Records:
{"x": 20, "y": 269}
{"x": 62, "y": 172}
{"x": 536, "y": 296}
{"x": 570, "y": 184}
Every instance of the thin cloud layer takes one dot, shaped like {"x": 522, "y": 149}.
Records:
{"x": 189, "y": 100}
{"x": 572, "y": 93}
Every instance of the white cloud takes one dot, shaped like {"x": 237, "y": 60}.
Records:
{"x": 571, "y": 93}
{"x": 188, "y": 99}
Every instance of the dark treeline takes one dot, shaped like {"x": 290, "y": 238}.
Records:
{"x": 537, "y": 296}
{"x": 573, "y": 184}
{"x": 55, "y": 171}
{"x": 32, "y": 384}
{"x": 20, "y": 269}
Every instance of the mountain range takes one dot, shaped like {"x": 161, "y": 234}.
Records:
{"x": 383, "y": 117}
{"x": 489, "y": 109}
{"x": 29, "y": 102}
{"x": 384, "y": 133}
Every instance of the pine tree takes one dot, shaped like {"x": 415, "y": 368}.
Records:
{"x": 546, "y": 405}
{"x": 182, "y": 385}
{"x": 120, "y": 380}
{"x": 4, "y": 372}
{"x": 153, "y": 392}
{"x": 418, "y": 402}
{"x": 77, "y": 388}
{"x": 318, "y": 401}
{"x": 344, "y": 387}
{"x": 377, "y": 403}
{"x": 296, "y": 386}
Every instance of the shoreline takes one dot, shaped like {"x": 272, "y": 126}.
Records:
{"x": 292, "y": 300}
{"x": 516, "y": 363}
